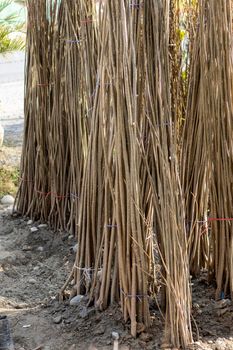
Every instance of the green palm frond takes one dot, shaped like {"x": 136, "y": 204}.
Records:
{"x": 9, "y": 19}
{"x": 13, "y": 17}
{"x": 7, "y": 44}
{"x": 4, "y": 4}
{"x": 12, "y": 45}
{"x": 9, "y": 24}
{"x": 20, "y": 2}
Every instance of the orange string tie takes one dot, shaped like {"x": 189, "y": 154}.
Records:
{"x": 87, "y": 21}
{"x": 220, "y": 219}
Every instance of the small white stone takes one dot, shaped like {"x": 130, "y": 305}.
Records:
{"x": 40, "y": 249}
{"x": 220, "y": 344}
{"x": 30, "y": 222}
{"x": 34, "y": 229}
{"x": 74, "y": 347}
{"x": 75, "y": 248}
{"x": 43, "y": 226}
{"x": 70, "y": 237}
{"x": 76, "y": 300}
{"x": 115, "y": 335}
{"x": 32, "y": 281}
{"x": 57, "y": 319}
{"x": 7, "y": 200}
{"x": 9, "y": 209}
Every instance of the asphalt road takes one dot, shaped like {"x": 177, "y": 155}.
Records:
{"x": 11, "y": 97}
{"x": 11, "y": 68}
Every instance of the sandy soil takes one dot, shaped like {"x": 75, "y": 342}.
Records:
{"x": 34, "y": 266}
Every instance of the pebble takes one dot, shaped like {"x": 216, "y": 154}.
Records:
{"x": 32, "y": 281}
{"x": 67, "y": 321}
{"x": 40, "y": 249}
{"x": 26, "y": 248}
{"x": 145, "y": 337}
{"x": 115, "y": 335}
{"x": 30, "y": 222}
{"x": 75, "y": 248}
{"x": 34, "y": 229}
{"x": 9, "y": 209}
{"x": 42, "y": 226}
{"x": 7, "y": 200}
{"x": 57, "y": 319}
{"x": 220, "y": 345}
{"x": 196, "y": 306}
{"x": 76, "y": 300}
{"x": 198, "y": 343}
{"x": 100, "y": 330}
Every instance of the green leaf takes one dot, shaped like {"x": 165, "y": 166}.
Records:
{"x": 4, "y": 4}
{"x": 8, "y": 25}
{"x": 20, "y": 2}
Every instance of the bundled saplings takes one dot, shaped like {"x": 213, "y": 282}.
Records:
{"x": 169, "y": 218}
{"x": 109, "y": 90}
{"x": 219, "y": 74}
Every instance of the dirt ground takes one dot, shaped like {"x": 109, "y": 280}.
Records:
{"x": 34, "y": 266}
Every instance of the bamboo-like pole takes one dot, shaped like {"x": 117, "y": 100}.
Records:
{"x": 219, "y": 73}
{"x": 34, "y": 186}
{"x": 165, "y": 183}
{"x": 196, "y": 155}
